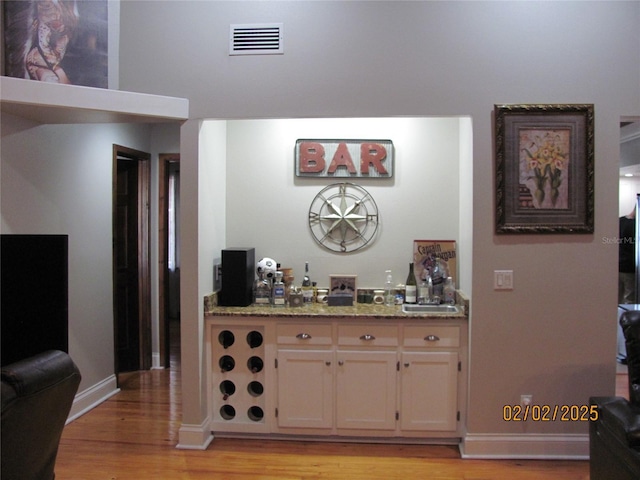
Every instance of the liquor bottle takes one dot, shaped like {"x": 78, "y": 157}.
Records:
{"x": 411, "y": 287}
{"x": 449, "y": 292}
{"x": 425, "y": 290}
{"x": 279, "y": 295}
{"x": 307, "y": 289}
{"x": 389, "y": 293}
{"x": 437, "y": 277}
{"x": 306, "y": 280}
{"x": 262, "y": 291}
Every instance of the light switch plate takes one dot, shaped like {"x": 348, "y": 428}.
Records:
{"x": 503, "y": 279}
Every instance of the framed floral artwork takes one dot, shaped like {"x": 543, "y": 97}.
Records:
{"x": 544, "y": 168}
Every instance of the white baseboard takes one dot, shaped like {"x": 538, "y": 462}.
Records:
{"x": 194, "y": 437}
{"x": 92, "y": 397}
{"x": 539, "y": 447}
{"x": 155, "y": 362}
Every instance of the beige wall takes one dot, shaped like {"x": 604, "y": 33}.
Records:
{"x": 551, "y": 336}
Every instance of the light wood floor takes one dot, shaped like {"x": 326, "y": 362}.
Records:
{"x": 133, "y": 436}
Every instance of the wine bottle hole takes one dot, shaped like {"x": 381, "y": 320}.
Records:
{"x": 226, "y": 363}
{"x": 227, "y": 388}
{"x": 227, "y": 412}
{"x": 255, "y": 389}
{"x": 255, "y": 413}
{"x": 226, "y": 338}
{"x": 254, "y": 339}
{"x": 255, "y": 364}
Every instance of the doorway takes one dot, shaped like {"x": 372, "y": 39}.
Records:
{"x": 131, "y": 267}
{"x": 169, "y": 257}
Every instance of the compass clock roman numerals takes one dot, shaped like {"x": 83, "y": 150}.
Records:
{"x": 343, "y": 217}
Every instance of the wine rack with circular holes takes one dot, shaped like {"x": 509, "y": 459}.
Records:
{"x": 238, "y": 363}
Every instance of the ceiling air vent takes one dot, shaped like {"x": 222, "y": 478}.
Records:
{"x": 256, "y": 39}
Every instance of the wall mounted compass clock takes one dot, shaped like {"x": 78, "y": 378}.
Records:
{"x": 343, "y": 217}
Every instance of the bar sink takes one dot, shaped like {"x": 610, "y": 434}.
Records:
{"x": 430, "y": 309}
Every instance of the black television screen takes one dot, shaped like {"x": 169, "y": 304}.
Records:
{"x": 33, "y": 295}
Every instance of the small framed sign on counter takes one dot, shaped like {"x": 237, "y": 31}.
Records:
{"x": 344, "y": 158}
{"x": 428, "y": 253}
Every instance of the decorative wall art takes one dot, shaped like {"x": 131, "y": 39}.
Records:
{"x": 344, "y": 158}
{"x": 544, "y": 168}
{"x": 343, "y": 217}
{"x": 63, "y": 41}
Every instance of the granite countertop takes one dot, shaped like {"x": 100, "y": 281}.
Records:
{"x": 322, "y": 310}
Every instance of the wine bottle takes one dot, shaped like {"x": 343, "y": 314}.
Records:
{"x": 255, "y": 364}
{"x": 254, "y": 339}
{"x": 226, "y": 363}
{"x": 227, "y": 388}
{"x": 411, "y": 287}
{"x": 226, "y": 339}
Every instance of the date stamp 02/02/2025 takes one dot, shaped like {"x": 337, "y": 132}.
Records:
{"x": 550, "y": 413}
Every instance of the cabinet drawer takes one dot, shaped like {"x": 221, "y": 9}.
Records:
{"x": 304, "y": 334}
{"x": 368, "y": 335}
{"x": 431, "y": 336}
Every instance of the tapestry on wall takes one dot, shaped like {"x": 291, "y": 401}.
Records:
{"x": 59, "y": 41}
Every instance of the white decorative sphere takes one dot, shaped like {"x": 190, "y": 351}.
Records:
{"x": 267, "y": 267}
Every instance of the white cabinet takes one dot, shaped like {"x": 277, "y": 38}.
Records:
{"x": 341, "y": 377}
{"x": 366, "y": 378}
{"x": 429, "y": 391}
{"x": 305, "y": 388}
{"x": 366, "y": 390}
{"x": 305, "y": 373}
{"x": 430, "y": 367}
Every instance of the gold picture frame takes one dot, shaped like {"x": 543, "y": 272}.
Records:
{"x": 544, "y": 168}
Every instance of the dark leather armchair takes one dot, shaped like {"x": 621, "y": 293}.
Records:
{"x": 614, "y": 438}
{"x": 37, "y": 394}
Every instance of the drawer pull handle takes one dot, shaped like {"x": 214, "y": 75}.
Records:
{"x": 406, "y": 365}
{"x": 367, "y": 337}
{"x": 303, "y": 336}
{"x": 432, "y": 338}
{"x": 341, "y": 362}
{"x": 327, "y": 363}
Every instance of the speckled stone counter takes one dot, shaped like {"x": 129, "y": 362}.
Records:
{"x": 324, "y": 311}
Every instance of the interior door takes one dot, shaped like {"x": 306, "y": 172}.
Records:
{"x": 126, "y": 259}
{"x": 131, "y": 266}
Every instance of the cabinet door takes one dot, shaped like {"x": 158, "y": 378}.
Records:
{"x": 305, "y": 388}
{"x": 366, "y": 390}
{"x": 429, "y": 391}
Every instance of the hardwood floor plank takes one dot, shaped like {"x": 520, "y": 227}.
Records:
{"x": 133, "y": 436}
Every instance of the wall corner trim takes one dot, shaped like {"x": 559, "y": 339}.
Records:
{"x": 194, "y": 437}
